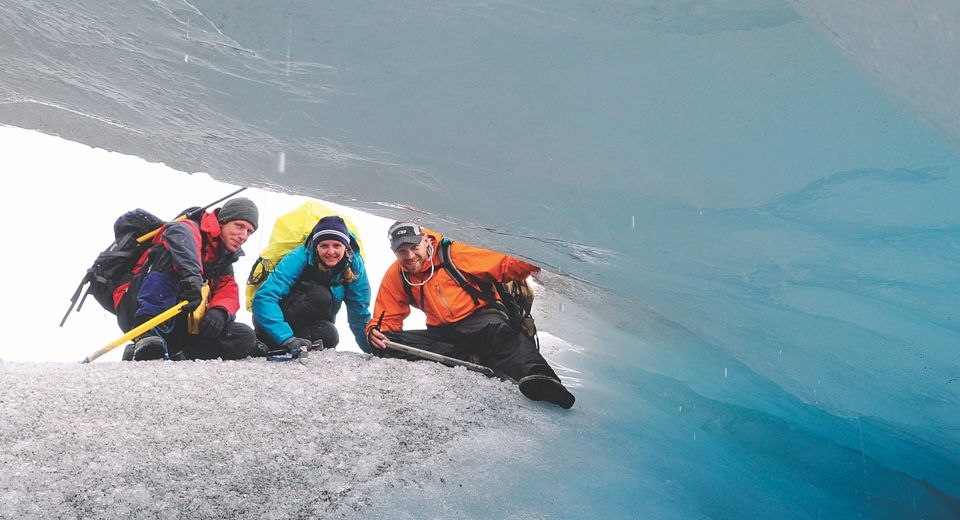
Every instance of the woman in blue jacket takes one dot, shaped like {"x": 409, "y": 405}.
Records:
{"x": 298, "y": 303}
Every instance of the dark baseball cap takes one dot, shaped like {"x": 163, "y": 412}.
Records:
{"x": 401, "y": 233}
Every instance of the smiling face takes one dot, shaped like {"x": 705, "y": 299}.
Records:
{"x": 414, "y": 258}
{"x": 330, "y": 252}
{"x": 235, "y": 233}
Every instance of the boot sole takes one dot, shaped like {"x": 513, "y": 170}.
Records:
{"x": 545, "y": 388}
{"x": 149, "y": 350}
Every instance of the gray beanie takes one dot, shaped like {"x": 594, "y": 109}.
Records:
{"x": 240, "y": 208}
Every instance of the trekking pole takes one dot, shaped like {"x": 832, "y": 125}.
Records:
{"x": 75, "y": 297}
{"x": 147, "y": 236}
{"x": 157, "y": 320}
{"x": 439, "y": 358}
{"x": 86, "y": 278}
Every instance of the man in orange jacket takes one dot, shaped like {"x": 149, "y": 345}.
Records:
{"x": 460, "y": 324}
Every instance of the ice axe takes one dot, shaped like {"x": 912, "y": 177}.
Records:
{"x": 190, "y": 214}
{"x": 153, "y": 322}
{"x": 439, "y": 358}
{"x": 290, "y": 355}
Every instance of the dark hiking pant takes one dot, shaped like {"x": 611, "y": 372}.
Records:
{"x": 308, "y": 309}
{"x": 318, "y": 330}
{"x": 236, "y": 341}
{"x": 486, "y": 333}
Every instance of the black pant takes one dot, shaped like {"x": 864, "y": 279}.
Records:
{"x": 236, "y": 341}
{"x": 486, "y": 333}
{"x": 308, "y": 309}
{"x": 321, "y": 330}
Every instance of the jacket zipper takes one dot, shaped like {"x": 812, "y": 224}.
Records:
{"x": 443, "y": 300}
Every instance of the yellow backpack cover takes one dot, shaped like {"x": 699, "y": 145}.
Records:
{"x": 289, "y": 231}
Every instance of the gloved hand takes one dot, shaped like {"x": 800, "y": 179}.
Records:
{"x": 296, "y": 343}
{"x": 212, "y": 323}
{"x": 190, "y": 291}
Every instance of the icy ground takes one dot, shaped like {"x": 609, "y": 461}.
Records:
{"x": 328, "y": 437}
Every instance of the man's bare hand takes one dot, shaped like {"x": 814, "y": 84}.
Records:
{"x": 376, "y": 338}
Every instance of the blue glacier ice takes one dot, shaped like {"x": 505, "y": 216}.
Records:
{"x": 748, "y": 209}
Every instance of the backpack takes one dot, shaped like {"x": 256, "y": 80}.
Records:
{"x": 289, "y": 231}
{"x": 516, "y": 298}
{"x": 114, "y": 264}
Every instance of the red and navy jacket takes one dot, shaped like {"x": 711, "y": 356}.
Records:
{"x": 186, "y": 248}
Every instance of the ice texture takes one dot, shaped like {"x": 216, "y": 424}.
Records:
{"x": 326, "y": 437}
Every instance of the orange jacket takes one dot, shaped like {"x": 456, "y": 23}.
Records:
{"x": 442, "y": 299}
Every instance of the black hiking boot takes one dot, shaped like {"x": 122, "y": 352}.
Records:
{"x": 148, "y": 347}
{"x": 260, "y": 350}
{"x": 127, "y": 352}
{"x": 540, "y": 387}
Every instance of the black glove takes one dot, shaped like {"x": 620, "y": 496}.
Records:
{"x": 190, "y": 291}
{"x": 296, "y": 343}
{"x": 212, "y": 323}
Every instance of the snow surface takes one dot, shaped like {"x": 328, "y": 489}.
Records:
{"x": 319, "y": 438}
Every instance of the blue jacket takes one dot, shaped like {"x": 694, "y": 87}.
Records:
{"x": 266, "y": 303}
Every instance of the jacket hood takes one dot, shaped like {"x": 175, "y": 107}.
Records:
{"x": 210, "y": 225}
{"x": 210, "y": 230}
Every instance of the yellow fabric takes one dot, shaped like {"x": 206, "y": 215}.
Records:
{"x": 193, "y": 319}
{"x": 289, "y": 231}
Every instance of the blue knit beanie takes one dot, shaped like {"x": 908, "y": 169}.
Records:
{"x": 330, "y": 228}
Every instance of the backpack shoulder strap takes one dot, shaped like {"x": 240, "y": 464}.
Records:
{"x": 485, "y": 293}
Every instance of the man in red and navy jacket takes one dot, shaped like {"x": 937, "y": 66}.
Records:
{"x": 185, "y": 255}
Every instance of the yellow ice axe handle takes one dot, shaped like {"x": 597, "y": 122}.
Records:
{"x": 160, "y": 318}
{"x": 147, "y": 236}
{"x": 193, "y": 319}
